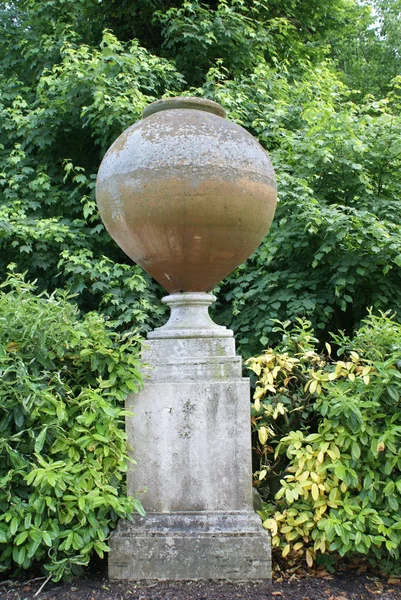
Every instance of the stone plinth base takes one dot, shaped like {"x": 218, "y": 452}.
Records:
{"x": 191, "y": 546}
{"x": 189, "y": 431}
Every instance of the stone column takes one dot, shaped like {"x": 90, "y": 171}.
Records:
{"x": 191, "y": 439}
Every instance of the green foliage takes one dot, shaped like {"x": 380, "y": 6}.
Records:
{"x": 334, "y": 247}
{"x": 121, "y": 292}
{"x": 234, "y": 34}
{"x": 341, "y": 487}
{"x": 62, "y": 447}
{"x": 238, "y": 34}
{"x": 75, "y": 74}
{"x": 282, "y": 403}
{"x": 54, "y": 134}
{"x": 368, "y": 47}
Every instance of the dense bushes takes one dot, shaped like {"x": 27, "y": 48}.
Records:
{"x": 335, "y": 243}
{"x": 328, "y": 434}
{"x": 319, "y": 86}
{"x": 62, "y": 451}
{"x": 86, "y": 71}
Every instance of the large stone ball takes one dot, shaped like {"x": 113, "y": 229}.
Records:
{"x": 187, "y": 194}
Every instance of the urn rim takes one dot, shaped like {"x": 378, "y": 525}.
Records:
{"x": 184, "y": 102}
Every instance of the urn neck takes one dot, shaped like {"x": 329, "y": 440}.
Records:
{"x": 190, "y": 318}
{"x": 183, "y": 102}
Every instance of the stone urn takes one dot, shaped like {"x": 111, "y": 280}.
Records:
{"x": 187, "y": 194}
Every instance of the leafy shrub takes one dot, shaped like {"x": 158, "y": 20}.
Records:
{"x": 68, "y": 90}
{"x": 76, "y": 101}
{"x": 123, "y": 293}
{"x": 62, "y": 449}
{"x": 334, "y": 247}
{"x": 341, "y": 490}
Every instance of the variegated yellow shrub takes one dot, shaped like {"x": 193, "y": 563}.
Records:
{"x": 327, "y": 432}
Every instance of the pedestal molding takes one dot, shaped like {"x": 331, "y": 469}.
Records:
{"x": 190, "y": 318}
{"x": 191, "y": 546}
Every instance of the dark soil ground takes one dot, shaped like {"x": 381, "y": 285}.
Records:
{"x": 316, "y": 585}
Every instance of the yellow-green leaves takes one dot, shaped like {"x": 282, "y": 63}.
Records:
{"x": 263, "y": 434}
{"x": 336, "y": 457}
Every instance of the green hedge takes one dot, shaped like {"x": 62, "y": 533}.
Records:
{"x": 62, "y": 446}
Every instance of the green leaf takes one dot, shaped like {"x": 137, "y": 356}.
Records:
{"x": 21, "y": 537}
{"x": 393, "y": 393}
{"x": 40, "y": 440}
{"x": 46, "y": 538}
{"x": 19, "y": 554}
{"x": 14, "y": 524}
{"x": 138, "y": 507}
{"x": 397, "y": 260}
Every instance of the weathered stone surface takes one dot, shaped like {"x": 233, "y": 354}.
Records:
{"x": 216, "y": 368}
{"x": 167, "y": 350}
{"x": 187, "y": 194}
{"x": 190, "y": 318}
{"x": 183, "y": 546}
{"x": 191, "y": 442}
{"x": 190, "y": 435}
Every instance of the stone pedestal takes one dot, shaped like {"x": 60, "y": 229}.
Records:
{"x": 191, "y": 439}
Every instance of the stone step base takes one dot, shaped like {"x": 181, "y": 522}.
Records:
{"x": 191, "y": 546}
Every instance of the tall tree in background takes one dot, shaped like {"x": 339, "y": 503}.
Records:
{"x": 318, "y": 84}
